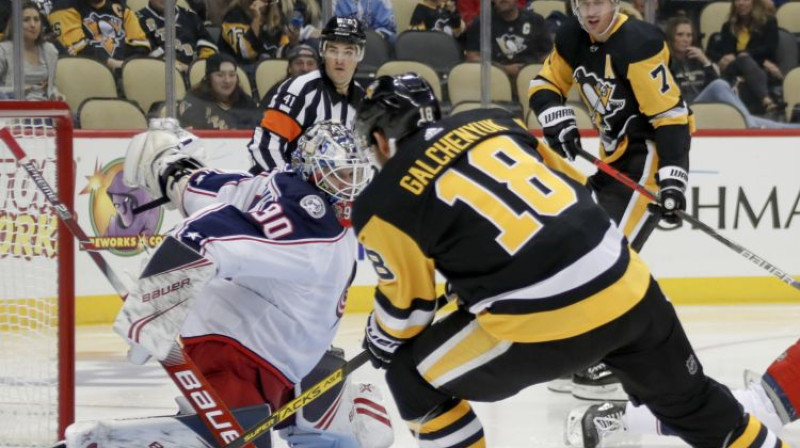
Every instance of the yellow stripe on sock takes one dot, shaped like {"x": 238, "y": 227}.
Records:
{"x": 749, "y": 435}
{"x": 442, "y": 421}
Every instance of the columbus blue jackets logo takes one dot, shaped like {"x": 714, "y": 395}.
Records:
{"x": 599, "y": 96}
{"x": 314, "y": 205}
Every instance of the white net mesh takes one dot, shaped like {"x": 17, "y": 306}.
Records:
{"x": 28, "y": 292}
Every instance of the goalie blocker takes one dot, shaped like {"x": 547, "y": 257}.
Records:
{"x": 151, "y": 318}
{"x": 349, "y": 415}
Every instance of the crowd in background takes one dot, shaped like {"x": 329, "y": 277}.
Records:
{"x": 740, "y": 66}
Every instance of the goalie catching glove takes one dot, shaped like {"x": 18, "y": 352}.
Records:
{"x": 561, "y": 130}
{"x": 380, "y": 345}
{"x": 672, "y": 181}
{"x": 155, "y": 160}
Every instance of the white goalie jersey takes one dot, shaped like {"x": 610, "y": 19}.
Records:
{"x": 283, "y": 266}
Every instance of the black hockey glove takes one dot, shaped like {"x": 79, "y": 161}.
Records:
{"x": 672, "y": 181}
{"x": 561, "y": 130}
{"x": 380, "y": 345}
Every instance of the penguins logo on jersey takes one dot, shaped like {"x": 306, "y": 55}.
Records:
{"x": 599, "y": 96}
{"x": 511, "y": 45}
{"x": 106, "y": 30}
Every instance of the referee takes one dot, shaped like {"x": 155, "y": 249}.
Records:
{"x": 329, "y": 93}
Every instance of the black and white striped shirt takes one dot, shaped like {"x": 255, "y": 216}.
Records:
{"x": 298, "y": 104}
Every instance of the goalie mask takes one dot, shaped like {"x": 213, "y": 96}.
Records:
{"x": 327, "y": 156}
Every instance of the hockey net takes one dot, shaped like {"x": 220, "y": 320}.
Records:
{"x": 36, "y": 279}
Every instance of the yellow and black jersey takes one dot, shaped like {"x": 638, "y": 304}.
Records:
{"x": 239, "y": 39}
{"x": 192, "y": 39}
{"x": 512, "y": 228}
{"x": 431, "y": 18}
{"x": 110, "y": 30}
{"x": 625, "y": 83}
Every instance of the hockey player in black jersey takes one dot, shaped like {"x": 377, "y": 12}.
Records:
{"x": 621, "y": 68}
{"x": 545, "y": 282}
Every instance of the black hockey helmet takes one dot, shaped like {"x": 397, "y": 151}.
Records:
{"x": 398, "y": 105}
{"x": 343, "y": 29}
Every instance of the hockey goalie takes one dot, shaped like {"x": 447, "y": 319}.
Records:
{"x": 253, "y": 283}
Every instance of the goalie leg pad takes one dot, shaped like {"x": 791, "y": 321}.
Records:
{"x": 781, "y": 382}
{"x": 184, "y": 431}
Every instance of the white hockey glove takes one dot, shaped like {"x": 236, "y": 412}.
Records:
{"x": 381, "y": 346}
{"x": 189, "y": 143}
{"x": 561, "y": 130}
{"x": 672, "y": 181}
{"x": 155, "y": 161}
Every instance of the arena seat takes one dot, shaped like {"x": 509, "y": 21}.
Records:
{"x": 711, "y": 19}
{"x": 717, "y": 116}
{"x": 81, "y": 78}
{"x": 791, "y": 91}
{"x": 268, "y": 73}
{"x": 110, "y": 113}
{"x": 545, "y": 7}
{"x": 464, "y": 84}
{"x": 438, "y": 50}
{"x": 400, "y": 67}
{"x": 144, "y": 82}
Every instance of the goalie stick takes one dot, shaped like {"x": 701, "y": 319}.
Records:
{"x": 290, "y": 408}
{"x": 630, "y": 183}
{"x": 180, "y": 368}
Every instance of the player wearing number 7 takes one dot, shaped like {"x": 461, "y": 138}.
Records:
{"x": 545, "y": 281}
{"x": 620, "y": 67}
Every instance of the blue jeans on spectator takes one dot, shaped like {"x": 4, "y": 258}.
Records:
{"x": 719, "y": 91}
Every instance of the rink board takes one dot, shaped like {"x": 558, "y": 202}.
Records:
{"x": 746, "y": 187}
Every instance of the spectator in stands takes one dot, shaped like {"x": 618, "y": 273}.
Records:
{"x": 302, "y": 59}
{"x": 39, "y": 59}
{"x": 5, "y": 16}
{"x": 253, "y": 30}
{"x": 45, "y": 6}
{"x": 471, "y": 9}
{"x": 217, "y": 102}
{"x": 745, "y": 48}
{"x": 519, "y": 37}
{"x": 376, "y": 15}
{"x": 192, "y": 40}
{"x": 698, "y": 78}
{"x": 633, "y": 9}
{"x": 437, "y": 15}
{"x": 105, "y": 30}
{"x": 303, "y": 24}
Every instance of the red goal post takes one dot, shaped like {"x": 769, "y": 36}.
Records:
{"x": 37, "y": 329}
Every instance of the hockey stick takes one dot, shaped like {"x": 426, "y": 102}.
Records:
{"x": 630, "y": 183}
{"x": 180, "y": 368}
{"x": 290, "y": 408}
